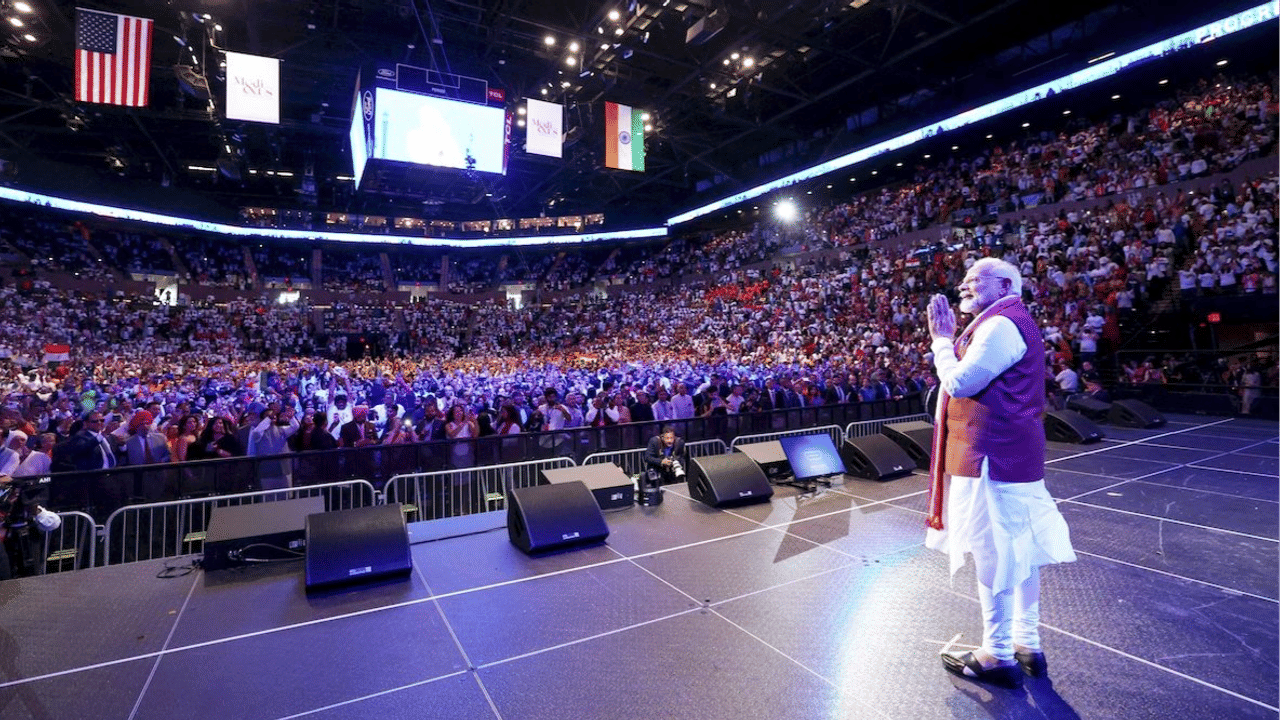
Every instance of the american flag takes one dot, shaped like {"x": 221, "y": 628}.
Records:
{"x": 113, "y": 58}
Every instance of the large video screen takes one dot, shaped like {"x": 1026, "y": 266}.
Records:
{"x": 445, "y": 133}
{"x": 811, "y": 456}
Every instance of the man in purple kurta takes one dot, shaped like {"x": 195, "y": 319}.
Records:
{"x": 989, "y": 439}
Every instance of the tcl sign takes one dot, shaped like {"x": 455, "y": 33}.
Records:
{"x": 497, "y": 95}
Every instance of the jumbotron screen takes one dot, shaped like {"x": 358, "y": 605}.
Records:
{"x": 428, "y": 130}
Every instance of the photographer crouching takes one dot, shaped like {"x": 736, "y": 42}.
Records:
{"x": 665, "y": 460}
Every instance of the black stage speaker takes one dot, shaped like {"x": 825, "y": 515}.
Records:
{"x": 914, "y": 437}
{"x": 1091, "y": 408}
{"x": 1134, "y": 413}
{"x": 346, "y": 546}
{"x": 606, "y": 481}
{"x": 727, "y": 480}
{"x": 267, "y": 525}
{"x": 550, "y": 517}
{"x": 769, "y": 456}
{"x": 1069, "y": 426}
{"x": 875, "y": 457}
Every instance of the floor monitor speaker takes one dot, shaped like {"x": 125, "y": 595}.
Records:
{"x": 1092, "y": 408}
{"x": 875, "y": 457}
{"x": 606, "y": 481}
{"x": 769, "y": 456}
{"x": 914, "y": 437}
{"x": 1135, "y": 414}
{"x": 728, "y": 480}
{"x": 552, "y": 517}
{"x": 357, "y": 545}
{"x": 1069, "y": 426}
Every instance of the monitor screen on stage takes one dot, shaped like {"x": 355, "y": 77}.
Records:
{"x": 812, "y": 456}
{"x": 428, "y": 130}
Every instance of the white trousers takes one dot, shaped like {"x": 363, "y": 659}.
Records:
{"x": 1010, "y": 529}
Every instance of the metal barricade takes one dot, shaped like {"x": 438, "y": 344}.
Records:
{"x": 169, "y": 529}
{"x": 837, "y": 435}
{"x": 73, "y": 546}
{"x": 632, "y": 461}
{"x": 449, "y": 493}
{"x": 872, "y": 427}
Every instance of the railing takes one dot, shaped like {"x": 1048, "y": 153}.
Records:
{"x": 449, "y": 493}
{"x": 872, "y": 427}
{"x": 837, "y": 435}
{"x": 632, "y": 461}
{"x": 169, "y": 529}
{"x": 74, "y": 545}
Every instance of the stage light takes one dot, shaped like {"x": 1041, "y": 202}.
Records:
{"x": 521, "y": 110}
{"x": 733, "y": 56}
{"x": 648, "y": 127}
{"x": 1066, "y": 112}
{"x": 543, "y": 91}
{"x": 1026, "y": 124}
{"x": 617, "y": 31}
{"x": 713, "y": 86}
{"x": 1163, "y": 82}
{"x": 29, "y": 37}
{"x": 573, "y": 46}
{"x": 1222, "y": 62}
{"x": 549, "y": 41}
{"x": 16, "y": 22}
{"x": 927, "y": 156}
{"x": 786, "y": 211}
{"x": 22, "y": 7}
{"x": 571, "y": 61}
{"x": 1116, "y": 96}
{"x": 748, "y": 62}
{"x": 644, "y": 116}
{"x": 614, "y": 15}
{"x": 520, "y": 122}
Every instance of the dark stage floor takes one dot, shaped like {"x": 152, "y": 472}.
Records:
{"x": 809, "y": 607}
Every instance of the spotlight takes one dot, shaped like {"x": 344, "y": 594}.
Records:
{"x": 573, "y": 46}
{"x": 549, "y": 41}
{"x": 614, "y": 15}
{"x": 22, "y": 6}
{"x": 786, "y": 211}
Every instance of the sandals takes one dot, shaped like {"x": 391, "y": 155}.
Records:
{"x": 1032, "y": 662}
{"x": 967, "y": 666}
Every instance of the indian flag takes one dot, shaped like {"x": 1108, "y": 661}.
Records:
{"x": 623, "y": 137}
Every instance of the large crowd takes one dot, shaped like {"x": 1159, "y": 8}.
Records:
{"x": 766, "y": 330}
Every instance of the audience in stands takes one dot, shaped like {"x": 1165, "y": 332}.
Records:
{"x": 764, "y": 327}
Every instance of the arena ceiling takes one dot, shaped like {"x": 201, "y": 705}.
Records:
{"x": 801, "y": 79}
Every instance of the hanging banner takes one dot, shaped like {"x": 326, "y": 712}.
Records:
{"x": 253, "y": 88}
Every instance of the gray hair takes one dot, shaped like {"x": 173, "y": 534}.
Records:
{"x": 995, "y": 267}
